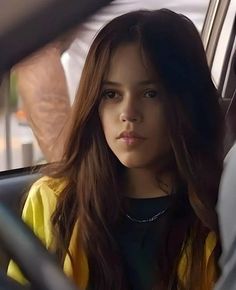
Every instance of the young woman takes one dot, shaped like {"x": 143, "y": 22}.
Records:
{"x": 132, "y": 205}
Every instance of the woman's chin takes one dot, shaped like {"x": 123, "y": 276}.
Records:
{"x": 133, "y": 163}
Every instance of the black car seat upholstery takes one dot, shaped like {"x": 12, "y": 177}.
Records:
{"x": 14, "y": 185}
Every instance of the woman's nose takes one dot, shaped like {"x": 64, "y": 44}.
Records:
{"x": 130, "y": 113}
{"x": 125, "y": 117}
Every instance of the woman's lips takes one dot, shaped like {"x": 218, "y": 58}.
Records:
{"x": 130, "y": 137}
{"x": 132, "y": 140}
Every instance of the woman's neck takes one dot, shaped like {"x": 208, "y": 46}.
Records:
{"x": 144, "y": 183}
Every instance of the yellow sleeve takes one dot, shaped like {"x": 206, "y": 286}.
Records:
{"x": 210, "y": 244}
{"x": 37, "y": 211}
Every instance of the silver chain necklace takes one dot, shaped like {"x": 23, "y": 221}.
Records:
{"x": 148, "y": 220}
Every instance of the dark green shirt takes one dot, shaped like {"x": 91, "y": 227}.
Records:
{"x": 139, "y": 242}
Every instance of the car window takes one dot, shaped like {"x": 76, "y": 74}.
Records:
{"x": 18, "y": 145}
{"x": 224, "y": 51}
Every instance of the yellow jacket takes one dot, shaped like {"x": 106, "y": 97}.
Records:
{"x": 39, "y": 206}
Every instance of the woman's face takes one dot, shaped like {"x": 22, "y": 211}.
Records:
{"x": 131, "y": 111}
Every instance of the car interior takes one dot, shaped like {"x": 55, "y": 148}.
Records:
{"x": 14, "y": 184}
{"x": 24, "y": 25}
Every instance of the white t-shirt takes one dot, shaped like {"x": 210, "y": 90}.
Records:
{"x": 73, "y": 59}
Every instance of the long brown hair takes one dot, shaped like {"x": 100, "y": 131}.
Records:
{"x": 92, "y": 195}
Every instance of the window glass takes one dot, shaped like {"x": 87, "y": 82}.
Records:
{"x": 18, "y": 146}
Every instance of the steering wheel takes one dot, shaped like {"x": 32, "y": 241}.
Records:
{"x": 36, "y": 263}
{"x": 6, "y": 283}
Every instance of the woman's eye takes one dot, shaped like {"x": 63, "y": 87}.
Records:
{"x": 150, "y": 94}
{"x": 109, "y": 94}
